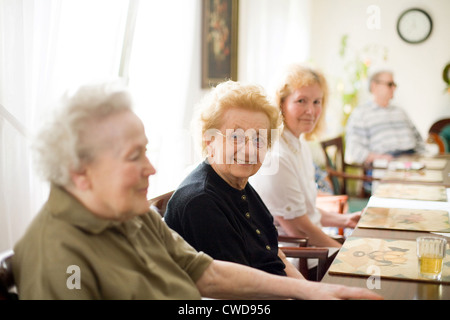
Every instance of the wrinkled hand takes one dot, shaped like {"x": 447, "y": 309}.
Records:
{"x": 326, "y": 291}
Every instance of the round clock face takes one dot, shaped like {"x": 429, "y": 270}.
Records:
{"x": 414, "y": 26}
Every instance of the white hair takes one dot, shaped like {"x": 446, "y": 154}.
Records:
{"x": 63, "y": 145}
{"x": 375, "y": 75}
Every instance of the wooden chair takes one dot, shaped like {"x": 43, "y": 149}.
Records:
{"x": 159, "y": 203}
{"x": 336, "y": 203}
{"x": 7, "y": 284}
{"x": 337, "y": 169}
{"x": 434, "y": 138}
{"x": 303, "y": 253}
{"x": 298, "y": 250}
{"x": 439, "y": 125}
{"x": 439, "y": 133}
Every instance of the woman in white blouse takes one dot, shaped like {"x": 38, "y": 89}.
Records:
{"x": 290, "y": 192}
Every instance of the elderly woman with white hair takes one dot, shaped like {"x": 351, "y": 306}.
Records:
{"x": 95, "y": 237}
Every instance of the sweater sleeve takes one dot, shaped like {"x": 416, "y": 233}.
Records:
{"x": 356, "y": 139}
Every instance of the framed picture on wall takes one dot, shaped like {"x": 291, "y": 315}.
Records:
{"x": 219, "y": 41}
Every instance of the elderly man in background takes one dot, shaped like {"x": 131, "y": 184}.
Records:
{"x": 379, "y": 130}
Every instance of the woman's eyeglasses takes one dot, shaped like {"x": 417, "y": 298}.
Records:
{"x": 240, "y": 139}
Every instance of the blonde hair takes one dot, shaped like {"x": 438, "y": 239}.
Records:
{"x": 228, "y": 95}
{"x": 64, "y": 144}
{"x": 296, "y": 77}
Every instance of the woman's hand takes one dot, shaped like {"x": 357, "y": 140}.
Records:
{"x": 352, "y": 219}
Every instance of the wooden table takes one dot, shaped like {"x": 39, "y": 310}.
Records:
{"x": 399, "y": 289}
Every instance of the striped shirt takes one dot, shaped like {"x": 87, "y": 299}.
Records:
{"x": 371, "y": 128}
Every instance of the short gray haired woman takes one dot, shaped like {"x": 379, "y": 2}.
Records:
{"x": 95, "y": 237}
{"x": 215, "y": 209}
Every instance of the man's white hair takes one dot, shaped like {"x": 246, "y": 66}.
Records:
{"x": 375, "y": 75}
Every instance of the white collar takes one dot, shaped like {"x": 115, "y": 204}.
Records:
{"x": 291, "y": 141}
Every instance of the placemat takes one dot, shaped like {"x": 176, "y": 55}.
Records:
{"x": 387, "y": 258}
{"x": 405, "y": 219}
{"x": 433, "y": 164}
{"x": 411, "y": 191}
{"x": 414, "y": 175}
{"x": 429, "y": 163}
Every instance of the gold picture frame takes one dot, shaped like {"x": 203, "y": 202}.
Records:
{"x": 219, "y": 41}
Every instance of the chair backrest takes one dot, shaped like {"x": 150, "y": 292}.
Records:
{"x": 321, "y": 254}
{"x": 159, "y": 203}
{"x": 439, "y": 133}
{"x": 289, "y": 242}
{"x": 334, "y": 160}
{"x": 434, "y": 138}
{"x": 439, "y": 125}
{"x": 345, "y": 177}
{"x": 7, "y": 284}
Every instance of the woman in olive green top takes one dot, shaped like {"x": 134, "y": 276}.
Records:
{"x": 95, "y": 237}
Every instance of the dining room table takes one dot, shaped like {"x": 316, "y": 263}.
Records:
{"x": 380, "y": 253}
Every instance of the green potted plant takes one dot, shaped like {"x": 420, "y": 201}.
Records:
{"x": 357, "y": 65}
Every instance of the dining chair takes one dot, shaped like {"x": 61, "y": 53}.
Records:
{"x": 159, "y": 203}
{"x": 334, "y": 203}
{"x": 299, "y": 249}
{"x": 7, "y": 283}
{"x": 439, "y": 133}
{"x": 338, "y": 171}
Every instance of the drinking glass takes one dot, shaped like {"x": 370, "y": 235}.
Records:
{"x": 431, "y": 253}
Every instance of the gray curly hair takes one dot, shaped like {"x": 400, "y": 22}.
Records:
{"x": 64, "y": 145}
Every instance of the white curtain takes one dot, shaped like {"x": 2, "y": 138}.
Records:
{"x": 165, "y": 82}
{"x": 46, "y": 47}
{"x": 272, "y": 34}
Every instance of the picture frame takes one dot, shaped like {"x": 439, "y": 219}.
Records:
{"x": 219, "y": 41}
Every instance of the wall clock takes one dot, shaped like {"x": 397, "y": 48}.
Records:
{"x": 414, "y": 25}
